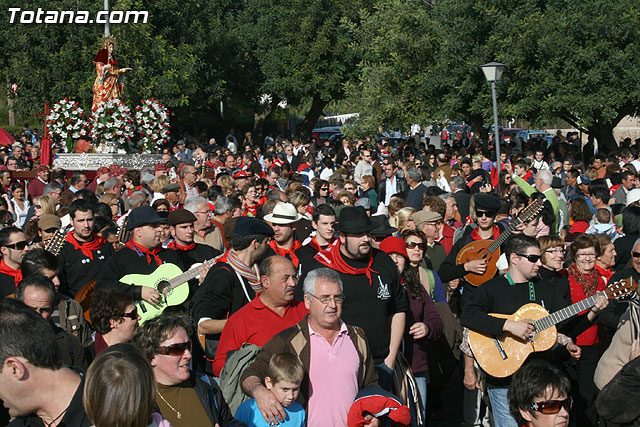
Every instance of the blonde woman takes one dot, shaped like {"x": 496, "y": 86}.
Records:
{"x": 401, "y": 219}
{"x": 157, "y": 184}
{"x": 228, "y": 185}
{"x": 43, "y": 205}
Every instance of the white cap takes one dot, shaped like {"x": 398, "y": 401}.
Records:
{"x": 633, "y": 196}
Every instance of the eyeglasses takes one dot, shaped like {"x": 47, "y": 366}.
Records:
{"x": 17, "y": 246}
{"x": 174, "y": 349}
{"x": 326, "y": 299}
{"x": 324, "y": 189}
{"x": 51, "y": 230}
{"x": 635, "y": 254}
{"x": 132, "y": 315}
{"x": 413, "y": 245}
{"x": 37, "y": 206}
{"x": 488, "y": 214}
{"x": 531, "y": 258}
{"x": 204, "y": 213}
{"x": 585, "y": 256}
{"x": 549, "y": 407}
{"x": 556, "y": 251}
{"x": 381, "y": 238}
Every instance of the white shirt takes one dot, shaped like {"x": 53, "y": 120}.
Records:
{"x": 390, "y": 189}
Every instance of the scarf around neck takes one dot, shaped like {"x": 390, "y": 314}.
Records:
{"x": 16, "y": 274}
{"x": 249, "y": 273}
{"x": 151, "y": 254}
{"x": 290, "y": 252}
{"x": 85, "y": 247}
{"x": 332, "y": 258}
{"x": 178, "y": 247}
{"x": 588, "y": 282}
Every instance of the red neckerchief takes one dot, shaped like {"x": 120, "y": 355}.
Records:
{"x": 16, "y": 274}
{"x": 174, "y": 207}
{"x": 138, "y": 188}
{"x": 332, "y": 258}
{"x": 605, "y": 273}
{"x": 613, "y": 189}
{"x": 86, "y": 247}
{"x": 315, "y": 245}
{"x": 303, "y": 166}
{"x": 527, "y": 175}
{"x": 151, "y": 254}
{"x": 284, "y": 252}
{"x": 475, "y": 234}
{"x": 178, "y": 247}
{"x": 251, "y": 210}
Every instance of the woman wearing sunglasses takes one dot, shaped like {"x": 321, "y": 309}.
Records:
{"x": 416, "y": 244}
{"x": 539, "y": 396}
{"x": 183, "y": 397}
{"x": 114, "y": 317}
{"x": 423, "y": 323}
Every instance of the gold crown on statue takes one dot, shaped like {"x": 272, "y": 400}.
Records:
{"x": 107, "y": 40}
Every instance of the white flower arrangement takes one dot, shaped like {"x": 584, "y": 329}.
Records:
{"x": 152, "y": 119}
{"x": 113, "y": 128}
{"x": 67, "y": 122}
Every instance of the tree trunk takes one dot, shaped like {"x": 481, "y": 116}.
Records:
{"x": 259, "y": 118}
{"x": 303, "y": 130}
{"x": 603, "y": 132}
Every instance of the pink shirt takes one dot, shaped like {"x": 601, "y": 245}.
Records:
{"x": 333, "y": 378}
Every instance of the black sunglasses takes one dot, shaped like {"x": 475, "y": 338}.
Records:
{"x": 531, "y": 258}
{"x": 379, "y": 238}
{"x": 175, "y": 349}
{"x": 488, "y": 214}
{"x": 18, "y": 245}
{"x": 413, "y": 245}
{"x": 552, "y": 406}
{"x": 132, "y": 315}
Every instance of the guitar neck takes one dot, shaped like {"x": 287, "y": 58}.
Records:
{"x": 189, "y": 274}
{"x": 565, "y": 313}
{"x": 502, "y": 237}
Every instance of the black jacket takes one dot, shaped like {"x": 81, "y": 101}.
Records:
{"x": 402, "y": 188}
{"x": 213, "y": 402}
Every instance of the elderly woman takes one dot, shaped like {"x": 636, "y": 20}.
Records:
{"x": 423, "y": 323}
{"x": 367, "y": 189}
{"x": 583, "y": 281}
{"x": 114, "y": 317}
{"x": 605, "y": 256}
{"x": 184, "y": 398}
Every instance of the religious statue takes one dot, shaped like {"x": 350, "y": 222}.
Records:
{"x": 109, "y": 78}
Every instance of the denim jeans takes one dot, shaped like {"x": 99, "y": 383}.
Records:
{"x": 385, "y": 376}
{"x": 500, "y": 407}
{"x": 421, "y": 382}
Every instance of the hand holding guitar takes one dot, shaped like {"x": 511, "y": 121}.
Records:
{"x": 519, "y": 329}
{"x": 601, "y": 303}
{"x": 477, "y": 266}
{"x": 202, "y": 272}
{"x": 150, "y": 295}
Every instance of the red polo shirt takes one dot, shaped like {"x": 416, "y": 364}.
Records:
{"x": 255, "y": 323}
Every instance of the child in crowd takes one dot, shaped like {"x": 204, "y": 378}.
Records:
{"x": 285, "y": 375}
{"x": 602, "y": 224}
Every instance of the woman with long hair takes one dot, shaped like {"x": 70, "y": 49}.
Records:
{"x": 20, "y": 204}
{"x": 415, "y": 244}
{"x": 423, "y": 323}
{"x": 401, "y": 219}
{"x": 505, "y": 184}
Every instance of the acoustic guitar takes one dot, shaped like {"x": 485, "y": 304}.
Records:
{"x": 489, "y": 250}
{"x": 54, "y": 244}
{"x": 170, "y": 282}
{"x": 502, "y": 356}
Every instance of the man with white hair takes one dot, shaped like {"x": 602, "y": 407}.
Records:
{"x": 542, "y": 184}
{"x": 199, "y": 207}
{"x": 416, "y": 188}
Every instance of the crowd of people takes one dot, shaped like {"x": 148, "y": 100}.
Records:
{"x": 299, "y": 283}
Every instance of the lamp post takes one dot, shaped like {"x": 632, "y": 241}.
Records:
{"x": 493, "y": 71}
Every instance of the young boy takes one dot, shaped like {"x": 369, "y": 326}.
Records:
{"x": 285, "y": 375}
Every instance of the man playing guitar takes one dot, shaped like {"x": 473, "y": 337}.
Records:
{"x": 141, "y": 255}
{"x": 505, "y": 295}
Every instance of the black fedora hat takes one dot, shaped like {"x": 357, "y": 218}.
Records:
{"x": 382, "y": 227}
{"x": 354, "y": 219}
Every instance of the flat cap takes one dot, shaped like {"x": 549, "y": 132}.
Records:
{"x": 172, "y": 187}
{"x": 488, "y": 202}
{"x": 47, "y": 222}
{"x": 247, "y": 226}
{"x": 424, "y": 216}
{"x": 180, "y": 216}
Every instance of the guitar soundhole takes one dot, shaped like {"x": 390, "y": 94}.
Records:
{"x": 164, "y": 287}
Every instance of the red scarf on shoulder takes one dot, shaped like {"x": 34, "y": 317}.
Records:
{"x": 16, "y": 274}
{"x": 86, "y": 247}
{"x": 151, "y": 254}
{"x": 138, "y": 188}
{"x": 284, "y": 252}
{"x": 475, "y": 234}
{"x": 332, "y": 258}
{"x": 315, "y": 245}
{"x": 178, "y": 247}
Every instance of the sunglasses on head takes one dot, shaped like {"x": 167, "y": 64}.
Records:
{"x": 552, "y": 406}
{"x": 17, "y": 246}
{"x": 530, "y": 258}
{"x": 413, "y": 245}
{"x": 132, "y": 315}
{"x": 488, "y": 214}
{"x": 175, "y": 349}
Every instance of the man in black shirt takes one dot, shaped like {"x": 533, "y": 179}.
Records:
{"x": 181, "y": 226}
{"x": 83, "y": 253}
{"x": 505, "y": 295}
{"x": 324, "y": 218}
{"x": 141, "y": 255}
{"x": 374, "y": 298}
{"x": 34, "y": 385}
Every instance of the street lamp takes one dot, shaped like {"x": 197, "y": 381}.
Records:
{"x": 493, "y": 71}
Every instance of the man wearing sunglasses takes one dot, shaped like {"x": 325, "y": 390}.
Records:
{"x": 13, "y": 244}
{"x": 505, "y": 295}
{"x": 539, "y": 396}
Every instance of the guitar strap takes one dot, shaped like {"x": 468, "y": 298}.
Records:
{"x": 532, "y": 289}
